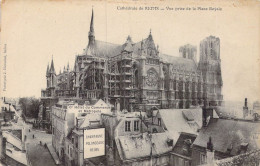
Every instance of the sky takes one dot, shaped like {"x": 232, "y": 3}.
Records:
{"x": 34, "y": 31}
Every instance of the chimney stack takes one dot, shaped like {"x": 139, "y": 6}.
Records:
{"x": 245, "y": 109}
{"x": 207, "y": 114}
{"x": 210, "y": 152}
{"x": 117, "y": 106}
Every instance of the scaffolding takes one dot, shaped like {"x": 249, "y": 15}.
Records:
{"x": 121, "y": 79}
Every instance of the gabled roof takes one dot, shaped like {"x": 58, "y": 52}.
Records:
{"x": 86, "y": 121}
{"x": 176, "y": 122}
{"x": 227, "y": 133}
{"x": 107, "y": 49}
{"x": 139, "y": 146}
{"x": 183, "y": 142}
{"x": 180, "y": 63}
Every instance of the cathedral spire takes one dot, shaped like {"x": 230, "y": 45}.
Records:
{"x": 76, "y": 66}
{"x": 91, "y": 34}
{"x": 68, "y": 67}
{"x": 91, "y": 37}
{"x": 129, "y": 39}
{"x": 48, "y": 68}
{"x": 52, "y": 69}
{"x": 150, "y": 37}
{"x": 92, "y": 22}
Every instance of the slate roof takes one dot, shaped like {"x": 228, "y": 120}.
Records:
{"x": 180, "y": 144}
{"x": 109, "y": 50}
{"x": 227, "y": 133}
{"x": 139, "y": 146}
{"x": 176, "y": 122}
{"x": 180, "y": 63}
{"x": 106, "y": 49}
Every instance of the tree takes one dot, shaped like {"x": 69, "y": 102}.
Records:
{"x": 35, "y": 104}
{"x": 24, "y": 102}
{"x": 30, "y": 106}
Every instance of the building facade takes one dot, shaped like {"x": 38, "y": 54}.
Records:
{"x": 67, "y": 118}
{"x": 129, "y": 142}
{"x": 139, "y": 76}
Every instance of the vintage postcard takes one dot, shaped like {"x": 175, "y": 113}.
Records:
{"x": 130, "y": 83}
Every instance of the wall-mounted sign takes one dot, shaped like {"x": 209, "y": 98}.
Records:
{"x": 99, "y": 107}
{"x": 94, "y": 143}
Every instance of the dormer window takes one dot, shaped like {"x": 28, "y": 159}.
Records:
{"x": 136, "y": 125}
{"x": 159, "y": 122}
{"x": 127, "y": 126}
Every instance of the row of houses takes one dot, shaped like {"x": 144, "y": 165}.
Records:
{"x": 98, "y": 133}
{"x": 12, "y": 135}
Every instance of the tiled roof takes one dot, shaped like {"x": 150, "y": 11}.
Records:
{"x": 139, "y": 146}
{"x": 230, "y": 134}
{"x": 176, "y": 122}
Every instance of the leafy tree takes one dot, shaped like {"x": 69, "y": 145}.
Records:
{"x": 30, "y": 106}
{"x": 24, "y": 102}
{"x": 35, "y": 104}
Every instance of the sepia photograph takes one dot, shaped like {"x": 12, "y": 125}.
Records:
{"x": 130, "y": 83}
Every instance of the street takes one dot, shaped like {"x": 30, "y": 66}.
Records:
{"x": 37, "y": 153}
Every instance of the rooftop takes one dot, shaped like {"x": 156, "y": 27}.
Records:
{"x": 181, "y": 120}
{"x": 236, "y": 133}
{"x": 142, "y": 145}
{"x": 183, "y": 144}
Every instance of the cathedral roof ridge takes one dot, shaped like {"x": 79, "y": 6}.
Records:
{"x": 108, "y": 42}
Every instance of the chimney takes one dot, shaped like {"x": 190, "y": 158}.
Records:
{"x": 117, "y": 106}
{"x": 210, "y": 152}
{"x": 207, "y": 114}
{"x": 245, "y": 109}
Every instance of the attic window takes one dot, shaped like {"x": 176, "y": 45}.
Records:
{"x": 170, "y": 142}
{"x": 243, "y": 146}
{"x": 159, "y": 121}
{"x": 136, "y": 125}
{"x": 127, "y": 126}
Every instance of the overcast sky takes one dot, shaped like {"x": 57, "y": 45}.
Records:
{"x": 34, "y": 31}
